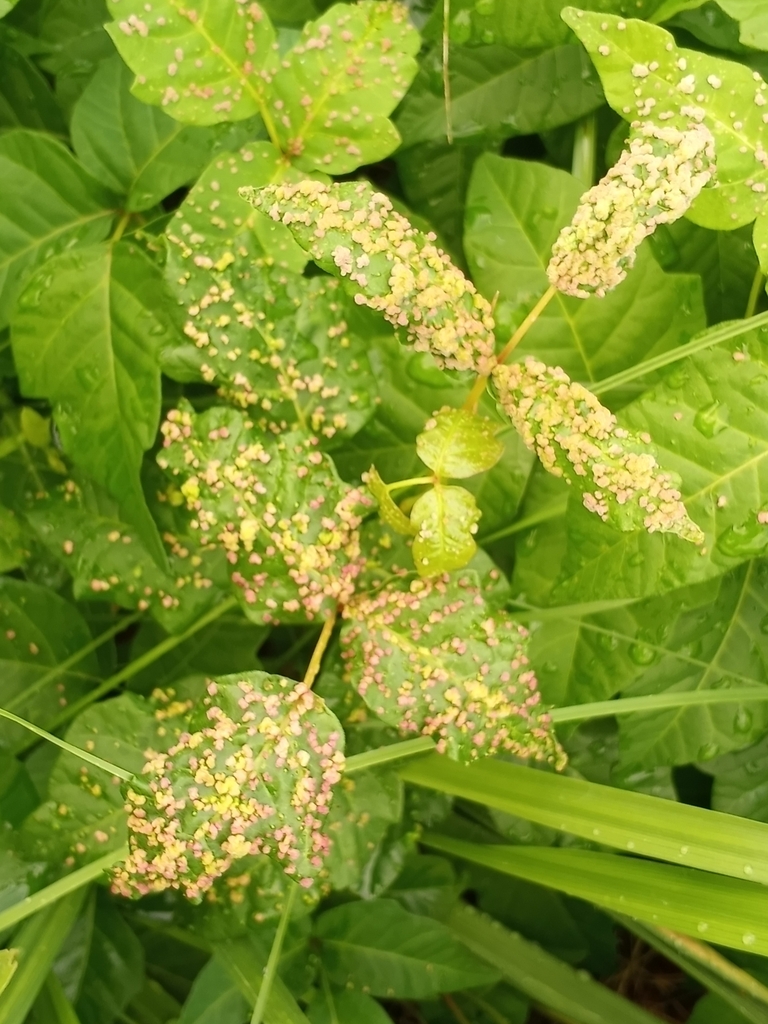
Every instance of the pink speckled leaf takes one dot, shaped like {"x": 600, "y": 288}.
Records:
{"x": 253, "y": 775}
{"x": 428, "y": 657}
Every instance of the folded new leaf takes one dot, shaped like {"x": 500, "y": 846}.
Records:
{"x": 253, "y": 775}
{"x": 275, "y": 504}
{"x": 429, "y": 658}
{"x": 577, "y": 438}
{"x": 353, "y": 231}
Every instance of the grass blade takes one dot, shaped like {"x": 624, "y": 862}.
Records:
{"x": 546, "y": 981}
{"x": 647, "y": 825}
{"x": 728, "y": 912}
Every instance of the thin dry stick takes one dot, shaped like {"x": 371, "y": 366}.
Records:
{"x": 446, "y": 71}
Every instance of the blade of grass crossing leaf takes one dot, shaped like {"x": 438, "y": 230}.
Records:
{"x": 657, "y": 702}
{"x": 37, "y": 945}
{"x": 728, "y": 912}
{"x": 547, "y": 981}
{"x": 59, "y": 890}
{"x": 77, "y": 751}
{"x": 393, "y": 752}
{"x": 707, "y": 339}
{"x": 645, "y": 825}
{"x": 738, "y": 988}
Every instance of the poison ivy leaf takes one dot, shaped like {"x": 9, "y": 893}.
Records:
{"x": 283, "y": 748}
{"x": 379, "y": 948}
{"x": 84, "y": 816}
{"x": 115, "y": 970}
{"x": 364, "y": 806}
{"x": 499, "y": 91}
{"x": 706, "y": 422}
{"x": 427, "y": 885}
{"x": 204, "y": 64}
{"x": 725, "y": 261}
{"x": 690, "y": 86}
{"x": 86, "y": 336}
{"x": 38, "y": 631}
{"x": 473, "y": 701}
{"x": 334, "y": 91}
{"x": 445, "y": 519}
{"x": 389, "y": 512}
{"x": 456, "y": 443}
{"x": 108, "y": 561}
{"x": 134, "y": 149}
{"x": 26, "y": 100}
{"x": 410, "y": 388}
{"x": 48, "y": 203}
{"x": 287, "y": 565}
{"x": 530, "y": 26}
{"x": 508, "y": 242}
{"x": 435, "y": 177}
{"x": 341, "y": 1006}
{"x": 215, "y": 998}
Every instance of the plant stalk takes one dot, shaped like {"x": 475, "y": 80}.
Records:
{"x": 274, "y": 958}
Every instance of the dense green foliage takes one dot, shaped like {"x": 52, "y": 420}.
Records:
{"x": 383, "y": 511}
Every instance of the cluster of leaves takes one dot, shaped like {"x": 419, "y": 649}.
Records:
{"x": 261, "y": 520}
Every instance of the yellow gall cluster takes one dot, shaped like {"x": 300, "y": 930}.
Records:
{"x": 577, "y": 438}
{"x": 395, "y": 269}
{"x": 654, "y": 182}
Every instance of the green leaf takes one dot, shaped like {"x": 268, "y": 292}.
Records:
{"x": 647, "y": 826}
{"x": 8, "y": 964}
{"x": 470, "y": 688}
{"x": 390, "y": 513}
{"x": 214, "y": 998}
{"x": 115, "y": 969}
{"x": 48, "y": 203}
{"x": 6, "y": 6}
{"x": 427, "y": 885}
{"x": 364, "y": 807}
{"x": 741, "y": 782}
{"x": 456, "y": 443}
{"x": 333, "y": 92}
{"x": 109, "y": 562}
{"x": 288, "y": 761}
{"x": 499, "y": 91}
{"x": 539, "y": 975}
{"x": 37, "y": 945}
{"x": 379, "y": 948}
{"x": 38, "y": 631}
{"x": 26, "y": 99}
{"x": 341, "y": 1006}
{"x": 686, "y": 84}
{"x": 12, "y": 554}
{"x": 74, "y": 43}
{"x": 531, "y": 26}
{"x": 725, "y": 261}
{"x": 135, "y": 150}
{"x": 508, "y": 241}
{"x": 445, "y": 519}
{"x": 245, "y": 961}
{"x": 219, "y": 456}
{"x": 752, "y": 19}
{"x": 706, "y": 426}
{"x": 202, "y": 64}
{"x": 86, "y": 336}
{"x": 714, "y": 1010}
{"x": 727, "y": 911}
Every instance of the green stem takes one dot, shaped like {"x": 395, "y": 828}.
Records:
{"x": 274, "y": 958}
{"x": 392, "y": 752}
{"x": 413, "y": 481}
{"x": 755, "y": 291}
{"x": 73, "y": 659}
{"x": 84, "y": 755}
{"x": 447, "y": 72}
{"x": 713, "y": 336}
{"x": 142, "y": 662}
{"x": 585, "y": 150}
{"x": 122, "y": 224}
{"x": 527, "y": 324}
{"x": 317, "y": 655}
{"x": 658, "y": 702}
{"x": 57, "y": 890}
